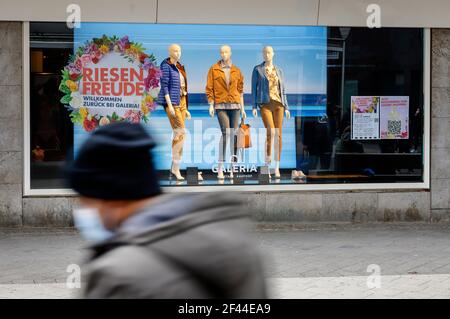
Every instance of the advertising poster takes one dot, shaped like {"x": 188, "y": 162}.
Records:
{"x": 114, "y": 76}
{"x": 394, "y": 117}
{"x": 365, "y": 117}
{"x": 108, "y": 80}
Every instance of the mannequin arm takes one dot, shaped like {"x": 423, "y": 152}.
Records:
{"x": 288, "y": 113}
{"x": 244, "y": 115}
{"x": 210, "y": 91}
{"x": 211, "y": 109}
{"x": 169, "y": 104}
{"x": 210, "y": 87}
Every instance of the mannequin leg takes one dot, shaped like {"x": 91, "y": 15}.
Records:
{"x": 268, "y": 120}
{"x": 224, "y": 123}
{"x": 278, "y": 115}
{"x": 234, "y": 124}
{"x": 220, "y": 171}
{"x": 179, "y": 132}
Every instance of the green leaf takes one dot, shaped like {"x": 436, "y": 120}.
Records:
{"x": 63, "y": 88}
{"x": 76, "y": 117}
{"x": 79, "y": 51}
{"x": 64, "y": 79}
{"x": 66, "y": 99}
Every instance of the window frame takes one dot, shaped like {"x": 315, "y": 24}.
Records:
{"x": 425, "y": 185}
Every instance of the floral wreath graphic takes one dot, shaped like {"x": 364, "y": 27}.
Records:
{"x": 92, "y": 52}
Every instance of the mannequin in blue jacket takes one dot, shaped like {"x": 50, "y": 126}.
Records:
{"x": 269, "y": 96}
{"x": 173, "y": 96}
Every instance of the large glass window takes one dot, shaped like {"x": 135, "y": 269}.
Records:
{"x": 51, "y": 140}
{"x": 322, "y": 105}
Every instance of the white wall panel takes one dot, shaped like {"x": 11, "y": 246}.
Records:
{"x": 91, "y": 10}
{"x": 284, "y": 12}
{"x": 394, "y": 13}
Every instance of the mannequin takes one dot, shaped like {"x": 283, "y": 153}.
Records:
{"x": 225, "y": 93}
{"x": 269, "y": 96}
{"x": 173, "y": 97}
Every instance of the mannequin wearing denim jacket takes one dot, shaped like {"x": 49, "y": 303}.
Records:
{"x": 269, "y": 95}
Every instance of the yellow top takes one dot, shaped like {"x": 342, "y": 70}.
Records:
{"x": 274, "y": 88}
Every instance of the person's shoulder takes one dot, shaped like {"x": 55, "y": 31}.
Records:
{"x": 235, "y": 67}
{"x": 118, "y": 261}
{"x": 127, "y": 271}
{"x": 257, "y": 68}
{"x": 163, "y": 62}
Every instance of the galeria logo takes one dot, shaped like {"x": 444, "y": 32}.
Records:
{"x": 236, "y": 167}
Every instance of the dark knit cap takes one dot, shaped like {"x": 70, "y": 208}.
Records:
{"x": 115, "y": 163}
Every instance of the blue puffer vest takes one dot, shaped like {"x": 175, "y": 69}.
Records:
{"x": 170, "y": 82}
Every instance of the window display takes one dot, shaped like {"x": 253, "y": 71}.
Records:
{"x": 224, "y": 88}
{"x": 318, "y": 115}
{"x": 225, "y": 94}
{"x": 269, "y": 95}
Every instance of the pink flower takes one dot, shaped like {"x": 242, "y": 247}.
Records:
{"x": 91, "y": 48}
{"x": 85, "y": 59}
{"x": 151, "y": 106}
{"x": 90, "y": 125}
{"x": 123, "y": 43}
{"x": 78, "y": 64}
{"x": 96, "y": 54}
{"x": 74, "y": 69}
{"x": 132, "y": 116}
{"x": 152, "y": 79}
{"x": 147, "y": 64}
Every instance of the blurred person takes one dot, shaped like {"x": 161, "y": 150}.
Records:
{"x": 147, "y": 244}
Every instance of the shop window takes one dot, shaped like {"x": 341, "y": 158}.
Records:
{"x": 354, "y": 96}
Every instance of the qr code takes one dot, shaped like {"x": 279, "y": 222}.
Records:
{"x": 394, "y": 127}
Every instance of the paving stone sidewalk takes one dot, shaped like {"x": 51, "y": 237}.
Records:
{"x": 302, "y": 261}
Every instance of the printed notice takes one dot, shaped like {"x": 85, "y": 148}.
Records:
{"x": 365, "y": 117}
{"x": 394, "y": 117}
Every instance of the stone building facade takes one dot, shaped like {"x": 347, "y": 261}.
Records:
{"x": 428, "y": 205}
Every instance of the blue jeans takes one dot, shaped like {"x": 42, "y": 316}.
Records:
{"x": 229, "y": 124}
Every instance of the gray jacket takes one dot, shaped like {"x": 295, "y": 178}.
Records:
{"x": 180, "y": 246}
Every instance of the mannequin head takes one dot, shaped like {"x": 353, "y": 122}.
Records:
{"x": 175, "y": 52}
{"x": 268, "y": 54}
{"x": 225, "y": 53}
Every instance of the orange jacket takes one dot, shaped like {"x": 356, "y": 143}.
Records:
{"x": 217, "y": 90}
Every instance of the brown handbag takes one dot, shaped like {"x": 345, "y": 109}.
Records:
{"x": 244, "y": 139}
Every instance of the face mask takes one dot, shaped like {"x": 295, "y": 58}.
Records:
{"x": 89, "y": 223}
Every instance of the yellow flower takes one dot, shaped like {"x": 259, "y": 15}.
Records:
{"x": 144, "y": 108}
{"x": 104, "y": 49}
{"x": 73, "y": 87}
{"x": 132, "y": 50}
{"x": 84, "y": 112}
{"x": 148, "y": 99}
